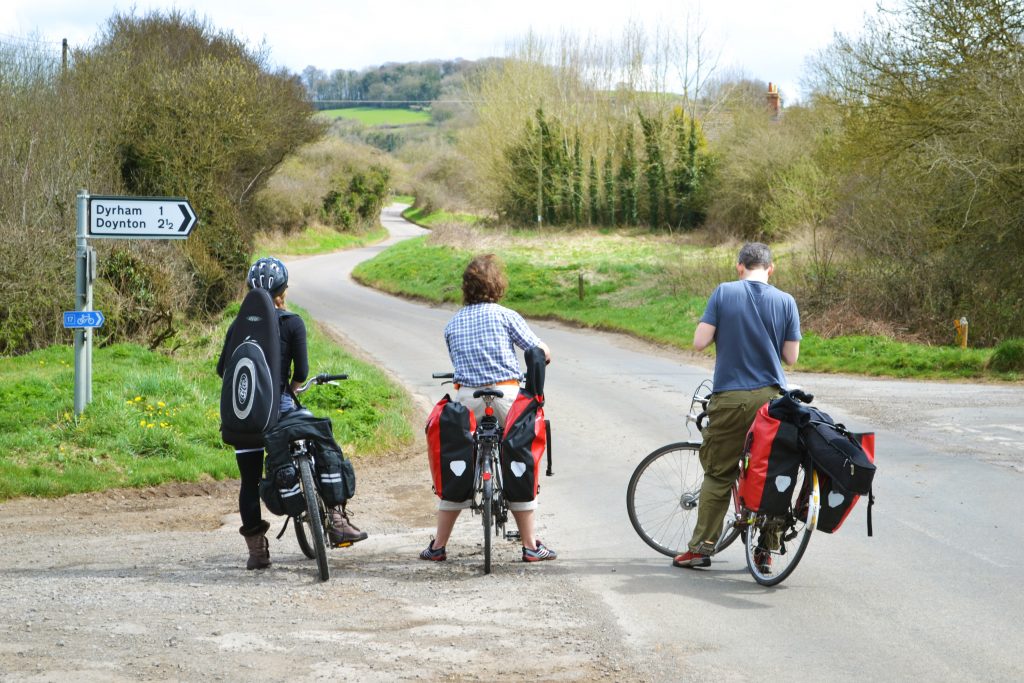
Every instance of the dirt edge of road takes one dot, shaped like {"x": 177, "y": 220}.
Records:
{"x": 149, "y": 584}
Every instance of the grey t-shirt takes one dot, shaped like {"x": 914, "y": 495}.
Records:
{"x": 752, "y": 320}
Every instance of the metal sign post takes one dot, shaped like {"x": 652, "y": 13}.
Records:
{"x": 111, "y": 217}
{"x": 83, "y": 295}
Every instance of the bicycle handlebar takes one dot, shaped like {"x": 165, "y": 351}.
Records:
{"x": 801, "y": 395}
{"x": 322, "y": 378}
{"x": 443, "y": 375}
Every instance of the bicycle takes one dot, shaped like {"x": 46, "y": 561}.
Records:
{"x": 312, "y": 524}
{"x": 488, "y": 494}
{"x": 664, "y": 491}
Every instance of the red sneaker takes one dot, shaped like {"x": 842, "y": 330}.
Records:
{"x": 691, "y": 560}
{"x": 763, "y": 560}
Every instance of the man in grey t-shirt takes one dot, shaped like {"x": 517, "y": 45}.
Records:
{"x": 755, "y": 328}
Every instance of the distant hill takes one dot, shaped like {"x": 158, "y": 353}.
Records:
{"x": 390, "y": 85}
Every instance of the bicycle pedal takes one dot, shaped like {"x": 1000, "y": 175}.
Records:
{"x": 344, "y": 544}
{"x": 511, "y": 535}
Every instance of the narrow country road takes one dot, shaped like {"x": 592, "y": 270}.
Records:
{"x": 934, "y": 595}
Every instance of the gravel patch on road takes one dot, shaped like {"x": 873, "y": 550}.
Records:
{"x": 151, "y": 585}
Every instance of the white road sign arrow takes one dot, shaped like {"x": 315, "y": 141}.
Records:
{"x": 168, "y": 218}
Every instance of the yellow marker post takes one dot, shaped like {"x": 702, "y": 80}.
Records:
{"x": 961, "y": 332}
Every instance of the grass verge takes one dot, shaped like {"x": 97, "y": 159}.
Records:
{"x": 643, "y": 286}
{"x": 315, "y": 239}
{"x": 430, "y": 218}
{"x": 154, "y": 418}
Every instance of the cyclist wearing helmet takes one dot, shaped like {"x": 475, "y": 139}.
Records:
{"x": 270, "y": 273}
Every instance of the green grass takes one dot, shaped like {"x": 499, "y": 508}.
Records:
{"x": 429, "y": 219}
{"x": 315, "y": 239}
{"x": 373, "y": 116}
{"x": 645, "y": 287}
{"x": 155, "y": 419}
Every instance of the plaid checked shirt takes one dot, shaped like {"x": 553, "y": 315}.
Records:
{"x": 481, "y": 341}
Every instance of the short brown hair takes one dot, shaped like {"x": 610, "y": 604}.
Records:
{"x": 484, "y": 280}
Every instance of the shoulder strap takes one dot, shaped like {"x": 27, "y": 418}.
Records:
{"x": 757, "y": 311}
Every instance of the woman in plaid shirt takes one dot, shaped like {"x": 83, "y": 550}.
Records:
{"x": 481, "y": 340}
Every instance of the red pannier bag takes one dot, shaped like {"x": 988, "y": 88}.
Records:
{"x": 449, "y": 431}
{"x": 771, "y": 459}
{"x": 837, "y": 502}
{"x": 523, "y": 445}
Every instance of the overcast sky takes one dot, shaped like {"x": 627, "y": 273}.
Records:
{"x": 768, "y": 41}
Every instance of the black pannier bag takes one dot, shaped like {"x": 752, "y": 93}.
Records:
{"x": 333, "y": 474}
{"x": 523, "y": 444}
{"x": 449, "y": 431}
{"x": 838, "y": 454}
{"x": 836, "y": 502}
{"x": 279, "y": 488}
{"x": 771, "y": 460}
{"x": 526, "y": 436}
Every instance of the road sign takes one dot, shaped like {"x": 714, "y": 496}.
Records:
{"x": 164, "y": 218}
{"x": 83, "y": 319}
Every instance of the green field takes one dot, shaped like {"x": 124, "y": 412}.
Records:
{"x": 646, "y": 287}
{"x": 374, "y": 116}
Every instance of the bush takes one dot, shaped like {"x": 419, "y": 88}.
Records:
{"x": 317, "y": 183}
{"x": 355, "y": 202}
{"x": 1008, "y": 356}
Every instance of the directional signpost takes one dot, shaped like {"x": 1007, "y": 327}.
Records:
{"x": 111, "y": 217}
{"x": 83, "y": 319}
{"x": 164, "y": 218}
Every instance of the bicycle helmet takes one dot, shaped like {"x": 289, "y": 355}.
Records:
{"x": 268, "y": 273}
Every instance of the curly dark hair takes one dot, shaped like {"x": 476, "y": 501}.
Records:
{"x": 484, "y": 280}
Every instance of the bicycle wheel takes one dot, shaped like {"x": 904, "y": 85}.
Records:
{"x": 662, "y": 498}
{"x": 488, "y": 512}
{"x": 315, "y": 522}
{"x": 775, "y": 544}
{"x": 303, "y": 533}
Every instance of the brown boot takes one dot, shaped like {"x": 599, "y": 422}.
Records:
{"x": 259, "y": 547}
{"x": 343, "y": 532}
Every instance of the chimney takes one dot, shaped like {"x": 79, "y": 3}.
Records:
{"x": 774, "y": 103}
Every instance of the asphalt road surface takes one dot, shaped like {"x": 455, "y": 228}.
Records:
{"x": 933, "y": 595}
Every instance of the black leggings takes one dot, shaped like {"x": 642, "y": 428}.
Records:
{"x": 250, "y": 466}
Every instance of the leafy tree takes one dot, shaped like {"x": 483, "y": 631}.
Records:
{"x": 932, "y": 96}
{"x": 609, "y": 191}
{"x": 627, "y": 177}
{"x": 690, "y": 170}
{"x": 654, "y": 169}
{"x": 593, "y": 190}
{"x": 577, "y": 180}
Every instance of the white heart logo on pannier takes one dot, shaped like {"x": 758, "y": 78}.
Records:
{"x": 835, "y": 499}
{"x": 458, "y": 467}
{"x": 517, "y": 468}
{"x": 782, "y": 483}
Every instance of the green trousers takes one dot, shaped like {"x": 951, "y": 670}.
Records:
{"x": 730, "y": 414}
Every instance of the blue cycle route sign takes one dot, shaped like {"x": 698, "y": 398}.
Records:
{"x": 83, "y": 319}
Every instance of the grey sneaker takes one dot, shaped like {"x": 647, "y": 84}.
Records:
{"x": 434, "y": 554}
{"x": 541, "y": 553}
